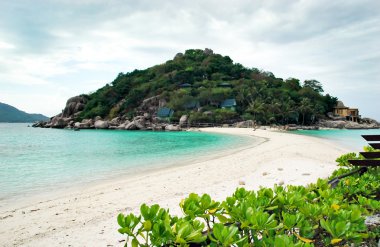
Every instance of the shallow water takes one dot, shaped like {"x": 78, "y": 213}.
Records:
{"x": 351, "y": 139}
{"x": 34, "y": 160}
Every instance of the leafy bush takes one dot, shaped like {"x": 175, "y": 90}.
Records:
{"x": 316, "y": 215}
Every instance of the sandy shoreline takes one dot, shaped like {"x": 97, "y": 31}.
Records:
{"x": 88, "y": 216}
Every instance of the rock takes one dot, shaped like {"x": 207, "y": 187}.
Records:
{"x": 146, "y": 115}
{"x": 340, "y": 124}
{"x": 59, "y": 122}
{"x": 140, "y": 123}
{"x": 335, "y": 117}
{"x": 131, "y": 126}
{"x": 372, "y": 220}
{"x": 85, "y": 124}
{"x": 183, "y": 121}
{"x": 121, "y": 126}
{"x": 98, "y": 118}
{"x": 171, "y": 127}
{"x": 241, "y": 182}
{"x": 115, "y": 121}
{"x": 370, "y": 121}
{"x": 100, "y": 124}
{"x": 281, "y": 182}
{"x": 353, "y": 125}
{"x": 332, "y": 124}
{"x": 245, "y": 124}
{"x": 74, "y": 105}
{"x": 39, "y": 124}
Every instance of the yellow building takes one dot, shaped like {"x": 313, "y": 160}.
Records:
{"x": 351, "y": 114}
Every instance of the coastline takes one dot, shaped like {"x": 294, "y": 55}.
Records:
{"x": 88, "y": 216}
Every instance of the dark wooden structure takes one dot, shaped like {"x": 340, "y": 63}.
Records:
{"x": 372, "y": 159}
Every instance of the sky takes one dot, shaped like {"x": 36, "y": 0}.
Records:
{"x": 51, "y": 50}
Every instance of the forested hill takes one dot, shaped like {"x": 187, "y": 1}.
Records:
{"x": 206, "y": 87}
{"x": 10, "y": 114}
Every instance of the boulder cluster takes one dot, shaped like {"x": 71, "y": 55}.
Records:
{"x": 144, "y": 121}
{"x": 365, "y": 123}
{"x": 147, "y": 119}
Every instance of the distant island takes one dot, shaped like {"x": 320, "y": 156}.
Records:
{"x": 198, "y": 87}
{"x": 10, "y": 114}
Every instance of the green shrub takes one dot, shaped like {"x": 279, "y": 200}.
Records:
{"x": 315, "y": 215}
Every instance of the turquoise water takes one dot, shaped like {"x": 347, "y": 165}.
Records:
{"x": 34, "y": 160}
{"x": 350, "y": 139}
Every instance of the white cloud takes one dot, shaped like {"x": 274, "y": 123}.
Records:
{"x": 78, "y": 46}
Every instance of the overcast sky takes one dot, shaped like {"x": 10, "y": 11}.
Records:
{"x": 53, "y": 50}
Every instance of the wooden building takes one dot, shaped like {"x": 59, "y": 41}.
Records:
{"x": 351, "y": 114}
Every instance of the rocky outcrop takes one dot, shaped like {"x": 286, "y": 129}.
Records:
{"x": 59, "y": 122}
{"x": 183, "y": 121}
{"x": 340, "y": 124}
{"x": 100, "y": 124}
{"x": 151, "y": 105}
{"x": 172, "y": 127}
{"x": 85, "y": 124}
{"x": 74, "y": 106}
{"x": 131, "y": 126}
{"x": 146, "y": 119}
{"x": 245, "y": 124}
{"x": 370, "y": 121}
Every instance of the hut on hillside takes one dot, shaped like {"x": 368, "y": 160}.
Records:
{"x": 228, "y": 104}
{"x": 350, "y": 114}
{"x": 164, "y": 113}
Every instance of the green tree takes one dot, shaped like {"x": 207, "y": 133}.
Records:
{"x": 313, "y": 84}
{"x": 304, "y": 108}
{"x": 256, "y": 107}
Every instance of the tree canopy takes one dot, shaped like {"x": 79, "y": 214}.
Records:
{"x": 206, "y": 78}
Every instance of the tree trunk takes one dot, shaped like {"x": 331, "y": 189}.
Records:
{"x": 303, "y": 119}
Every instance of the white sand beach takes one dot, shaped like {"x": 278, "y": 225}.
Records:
{"x": 87, "y": 216}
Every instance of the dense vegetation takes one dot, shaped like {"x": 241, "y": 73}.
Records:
{"x": 205, "y": 79}
{"x": 10, "y": 114}
{"x": 316, "y": 215}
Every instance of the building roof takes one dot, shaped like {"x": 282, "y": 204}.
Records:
{"x": 164, "y": 112}
{"x": 224, "y": 84}
{"x": 339, "y": 104}
{"x": 192, "y": 104}
{"x": 185, "y": 85}
{"x": 228, "y": 103}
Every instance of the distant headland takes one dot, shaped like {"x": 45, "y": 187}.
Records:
{"x": 10, "y": 114}
{"x": 201, "y": 88}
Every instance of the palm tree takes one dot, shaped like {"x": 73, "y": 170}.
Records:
{"x": 256, "y": 107}
{"x": 287, "y": 108}
{"x": 305, "y": 107}
{"x": 274, "y": 108}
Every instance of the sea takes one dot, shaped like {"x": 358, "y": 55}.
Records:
{"x": 36, "y": 161}
{"x": 348, "y": 138}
